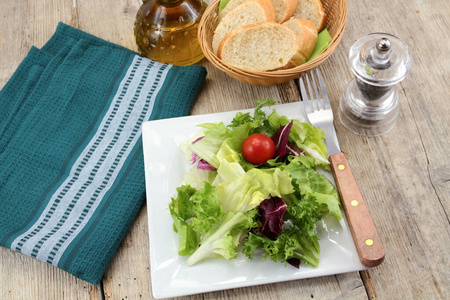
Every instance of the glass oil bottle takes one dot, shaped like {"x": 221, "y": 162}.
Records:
{"x": 166, "y": 30}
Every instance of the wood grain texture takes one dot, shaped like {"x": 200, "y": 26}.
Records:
{"x": 404, "y": 176}
{"x": 367, "y": 242}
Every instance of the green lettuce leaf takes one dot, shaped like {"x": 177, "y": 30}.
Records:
{"x": 323, "y": 39}
{"x": 222, "y": 4}
{"x": 312, "y": 184}
{"x": 223, "y": 239}
{"x": 196, "y": 178}
{"x": 207, "y": 147}
{"x": 249, "y": 190}
{"x": 290, "y": 244}
{"x": 303, "y": 212}
{"x": 313, "y": 142}
{"x": 228, "y": 172}
{"x": 227, "y": 153}
{"x": 258, "y": 123}
{"x": 188, "y": 238}
{"x": 181, "y": 210}
{"x": 207, "y": 208}
{"x": 194, "y": 212}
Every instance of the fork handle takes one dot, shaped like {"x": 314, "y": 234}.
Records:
{"x": 367, "y": 242}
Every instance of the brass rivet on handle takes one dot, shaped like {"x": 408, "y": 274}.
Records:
{"x": 369, "y": 242}
{"x": 354, "y": 203}
{"x": 341, "y": 167}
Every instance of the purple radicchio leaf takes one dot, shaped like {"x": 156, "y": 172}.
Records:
{"x": 294, "y": 262}
{"x": 198, "y": 139}
{"x": 204, "y": 165}
{"x": 194, "y": 158}
{"x": 291, "y": 149}
{"x": 280, "y": 138}
{"x": 272, "y": 213}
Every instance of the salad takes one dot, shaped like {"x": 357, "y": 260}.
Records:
{"x": 253, "y": 187}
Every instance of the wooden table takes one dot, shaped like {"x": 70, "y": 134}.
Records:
{"x": 403, "y": 175}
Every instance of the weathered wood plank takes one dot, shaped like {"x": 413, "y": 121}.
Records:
{"x": 28, "y": 23}
{"x": 23, "y": 277}
{"x": 404, "y": 174}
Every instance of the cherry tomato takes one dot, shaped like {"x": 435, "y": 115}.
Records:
{"x": 258, "y": 148}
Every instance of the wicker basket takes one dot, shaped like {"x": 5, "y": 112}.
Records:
{"x": 336, "y": 11}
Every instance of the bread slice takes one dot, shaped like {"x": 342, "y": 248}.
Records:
{"x": 261, "y": 47}
{"x": 306, "y": 32}
{"x": 285, "y": 9}
{"x": 249, "y": 12}
{"x": 229, "y": 7}
{"x": 311, "y": 10}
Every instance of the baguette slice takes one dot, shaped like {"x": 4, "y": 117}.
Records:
{"x": 229, "y": 7}
{"x": 285, "y": 9}
{"x": 306, "y": 32}
{"x": 261, "y": 47}
{"x": 311, "y": 10}
{"x": 249, "y": 12}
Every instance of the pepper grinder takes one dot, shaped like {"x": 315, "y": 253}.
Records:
{"x": 369, "y": 105}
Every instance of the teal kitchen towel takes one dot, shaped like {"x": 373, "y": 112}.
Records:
{"x": 71, "y": 161}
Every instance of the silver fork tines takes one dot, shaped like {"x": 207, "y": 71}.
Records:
{"x": 318, "y": 108}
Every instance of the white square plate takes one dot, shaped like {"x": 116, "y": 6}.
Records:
{"x": 165, "y": 167}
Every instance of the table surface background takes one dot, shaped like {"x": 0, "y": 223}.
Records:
{"x": 404, "y": 175}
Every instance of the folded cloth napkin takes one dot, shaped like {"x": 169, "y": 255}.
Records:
{"x": 71, "y": 162}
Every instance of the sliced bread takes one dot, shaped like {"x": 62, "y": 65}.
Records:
{"x": 306, "y": 32}
{"x": 285, "y": 9}
{"x": 311, "y": 10}
{"x": 249, "y": 12}
{"x": 261, "y": 47}
{"x": 229, "y": 7}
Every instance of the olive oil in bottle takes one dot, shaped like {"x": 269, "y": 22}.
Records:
{"x": 166, "y": 30}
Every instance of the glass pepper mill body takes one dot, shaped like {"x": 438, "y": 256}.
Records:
{"x": 166, "y": 30}
{"x": 369, "y": 105}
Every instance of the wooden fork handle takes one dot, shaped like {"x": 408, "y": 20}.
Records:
{"x": 367, "y": 242}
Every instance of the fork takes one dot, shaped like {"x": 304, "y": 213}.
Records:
{"x": 318, "y": 110}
